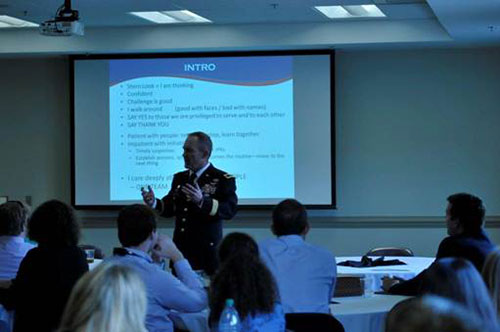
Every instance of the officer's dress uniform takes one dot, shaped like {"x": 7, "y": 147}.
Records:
{"x": 198, "y": 229}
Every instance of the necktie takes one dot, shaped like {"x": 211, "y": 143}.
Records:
{"x": 192, "y": 178}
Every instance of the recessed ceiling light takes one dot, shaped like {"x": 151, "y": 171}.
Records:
{"x": 174, "y": 16}
{"x": 333, "y": 11}
{"x": 12, "y": 22}
{"x": 350, "y": 11}
{"x": 373, "y": 11}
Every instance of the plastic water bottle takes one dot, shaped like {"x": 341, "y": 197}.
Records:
{"x": 229, "y": 319}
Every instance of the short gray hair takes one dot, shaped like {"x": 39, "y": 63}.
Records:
{"x": 204, "y": 141}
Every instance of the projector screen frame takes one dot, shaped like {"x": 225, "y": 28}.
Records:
{"x": 111, "y": 56}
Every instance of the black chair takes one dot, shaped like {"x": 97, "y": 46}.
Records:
{"x": 312, "y": 322}
{"x": 390, "y": 251}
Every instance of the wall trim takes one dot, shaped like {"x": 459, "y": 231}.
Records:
{"x": 316, "y": 222}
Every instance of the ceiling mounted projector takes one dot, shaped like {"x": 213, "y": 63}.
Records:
{"x": 65, "y": 22}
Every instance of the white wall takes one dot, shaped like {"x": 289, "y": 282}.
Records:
{"x": 412, "y": 127}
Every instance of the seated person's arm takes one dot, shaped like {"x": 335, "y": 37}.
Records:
{"x": 183, "y": 294}
{"x": 410, "y": 287}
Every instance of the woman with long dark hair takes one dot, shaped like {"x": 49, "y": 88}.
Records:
{"x": 47, "y": 273}
{"x": 245, "y": 279}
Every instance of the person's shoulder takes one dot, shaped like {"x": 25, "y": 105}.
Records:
{"x": 265, "y": 244}
{"x": 454, "y": 245}
{"x": 75, "y": 252}
{"x": 26, "y": 247}
{"x": 184, "y": 173}
{"x": 215, "y": 172}
{"x": 459, "y": 240}
{"x": 448, "y": 243}
{"x": 319, "y": 251}
{"x": 448, "y": 240}
{"x": 33, "y": 252}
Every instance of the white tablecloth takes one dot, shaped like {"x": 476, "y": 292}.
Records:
{"x": 357, "y": 314}
{"x": 95, "y": 263}
{"x": 414, "y": 265}
{"x": 364, "y": 314}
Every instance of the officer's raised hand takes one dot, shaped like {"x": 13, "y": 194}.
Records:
{"x": 148, "y": 196}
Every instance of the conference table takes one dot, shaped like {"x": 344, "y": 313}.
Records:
{"x": 356, "y": 313}
{"x": 413, "y": 266}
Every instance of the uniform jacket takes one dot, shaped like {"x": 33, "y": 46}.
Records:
{"x": 198, "y": 230}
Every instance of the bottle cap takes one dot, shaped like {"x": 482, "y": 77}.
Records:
{"x": 230, "y": 302}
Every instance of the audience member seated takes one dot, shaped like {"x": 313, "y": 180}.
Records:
{"x": 245, "y": 279}
{"x": 305, "y": 273}
{"x": 458, "y": 280}
{"x": 433, "y": 314}
{"x": 48, "y": 273}
{"x": 109, "y": 298}
{"x": 491, "y": 276}
{"x": 13, "y": 248}
{"x": 467, "y": 239}
{"x": 138, "y": 237}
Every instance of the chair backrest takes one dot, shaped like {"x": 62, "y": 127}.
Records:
{"x": 390, "y": 251}
{"x": 312, "y": 322}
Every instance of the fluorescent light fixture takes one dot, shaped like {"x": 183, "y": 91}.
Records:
{"x": 373, "y": 11}
{"x": 350, "y": 11}
{"x": 174, "y": 16}
{"x": 155, "y": 17}
{"x": 12, "y": 22}
{"x": 333, "y": 11}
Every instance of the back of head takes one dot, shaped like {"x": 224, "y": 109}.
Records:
{"x": 135, "y": 224}
{"x": 237, "y": 243}
{"x": 468, "y": 210}
{"x": 289, "y": 218}
{"x": 457, "y": 279}
{"x": 432, "y": 314}
{"x": 243, "y": 278}
{"x": 54, "y": 223}
{"x": 109, "y": 298}
{"x": 13, "y": 217}
{"x": 491, "y": 277}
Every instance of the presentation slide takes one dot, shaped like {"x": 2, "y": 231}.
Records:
{"x": 154, "y": 103}
{"x": 269, "y": 118}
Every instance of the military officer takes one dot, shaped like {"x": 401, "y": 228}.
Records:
{"x": 199, "y": 198}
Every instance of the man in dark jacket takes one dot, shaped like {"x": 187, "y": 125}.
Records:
{"x": 199, "y": 198}
{"x": 467, "y": 239}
